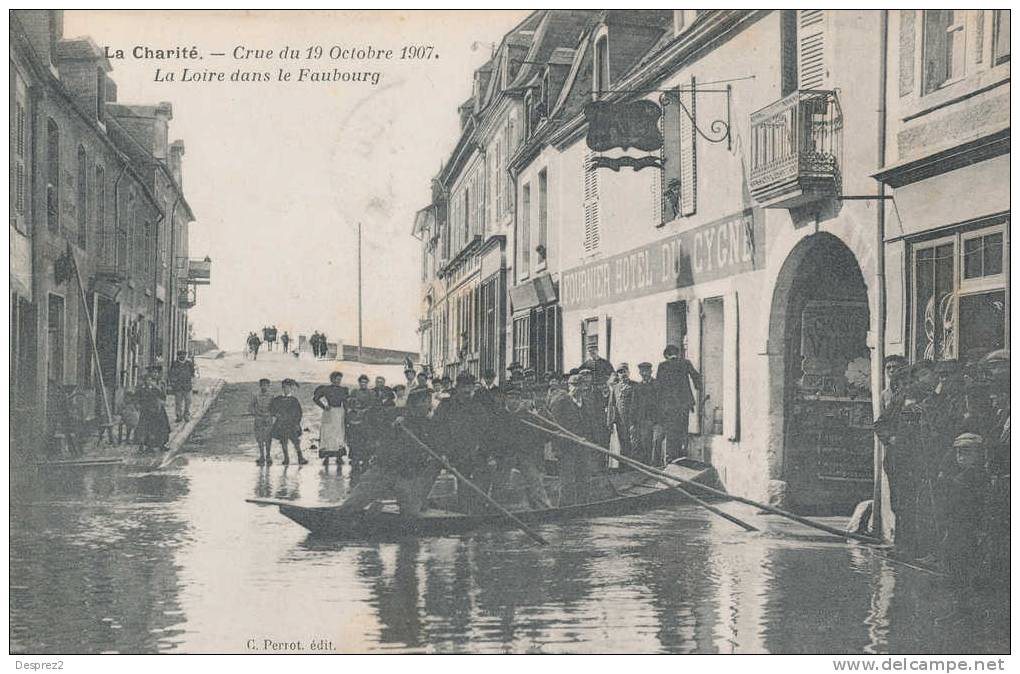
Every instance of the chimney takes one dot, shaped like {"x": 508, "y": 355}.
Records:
{"x": 83, "y": 69}
{"x": 43, "y": 27}
{"x": 176, "y": 155}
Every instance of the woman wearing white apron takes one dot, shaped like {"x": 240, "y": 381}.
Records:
{"x": 331, "y": 398}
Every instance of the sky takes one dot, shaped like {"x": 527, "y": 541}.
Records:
{"x": 278, "y": 174}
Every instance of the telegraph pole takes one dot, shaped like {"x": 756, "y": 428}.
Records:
{"x": 359, "y": 294}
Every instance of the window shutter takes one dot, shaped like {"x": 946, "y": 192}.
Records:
{"x": 731, "y": 372}
{"x": 908, "y": 33}
{"x": 694, "y": 355}
{"x": 591, "y": 204}
{"x": 669, "y": 176}
{"x": 812, "y": 64}
{"x": 979, "y": 35}
{"x": 609, "y": 338}
{"x": 688, "y": 154}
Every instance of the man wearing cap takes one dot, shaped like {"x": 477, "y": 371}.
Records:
{"x": 601, "y": 368}
{"x": 620, "y": 409}
{"x": 458, "y": 432}
{"x": 576, "y": 463}
{"x": 676, "y": 400}
{"x": 182, "y": 376}
{"x": 420, "y": 391}
{"x": 646, "y": 413}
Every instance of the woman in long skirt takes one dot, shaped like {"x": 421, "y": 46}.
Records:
{"x": 153, "y": 430}
{"x": 332, "y": 400}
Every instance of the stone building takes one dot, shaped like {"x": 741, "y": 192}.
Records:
{"x": 945, "y": 171}
{"x": 825, "y": 187}
{"x": 87, "y": 224}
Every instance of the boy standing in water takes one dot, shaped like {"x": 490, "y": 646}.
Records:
{"x": 286, "y": 412}
{"x": 261, "y": 404}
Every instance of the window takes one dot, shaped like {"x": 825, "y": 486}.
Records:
{"x": 945, "y": 47}
{"x": 528, "y": 112}
{"x": 18, "y": 152}
{"x": 959, "y": 298}
{"x": 105, "y": 237}
{"x": 525, "y": 231}
{"x": 82, "y": 200}
{"x": 467, "y": 214}
{"x": 52, "y": 176}
{"x": 522, "y": 341}
{"x": 1000, "y": 36}
{"x": 712, "y": 364}
{"x": 100, "y": 93}
{"x": 546, "y": 339}
{"x": 590, "y": 190}
{"x": 55, "y": 339}
{"x": 589, "y": 336}
{"x": 84, "y": 350}
{"x": 982, "y": 256}
{"x": 601, "y": 65}
{"x": 544, "y": 102}
{"x": 543, "y": 217}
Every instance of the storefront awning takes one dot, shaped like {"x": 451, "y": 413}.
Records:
{"x": 534, "y": 293}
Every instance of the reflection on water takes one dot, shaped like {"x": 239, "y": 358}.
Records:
{"x": 106, "y": 560}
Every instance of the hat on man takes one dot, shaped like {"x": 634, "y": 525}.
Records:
{"x": 363, "y": 377}
{"x": 644, "y": 365}
{"x": 182, "y": 352}
{"x": 289, "y": 382}
{"x": 671, "y": 350}
{"x": 622, "y": 366}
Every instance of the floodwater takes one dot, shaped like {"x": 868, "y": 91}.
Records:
{"x": 106, "y": 560}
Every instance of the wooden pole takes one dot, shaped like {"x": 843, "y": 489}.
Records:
{"x": 488, "y": 499}
{"x": 360, "y": 358}
{"x": 640, "y": 467}
{"x": 704, "y": 488}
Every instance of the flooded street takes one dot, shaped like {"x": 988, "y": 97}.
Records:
{"x": 107, "y": 560}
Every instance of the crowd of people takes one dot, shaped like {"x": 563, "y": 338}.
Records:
{"x": 484, "y": 428}
{"x": 945, "y": 427}
{"x": 270, "y": 334}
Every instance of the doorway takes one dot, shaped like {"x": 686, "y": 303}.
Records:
{"x": 820, "y": 371}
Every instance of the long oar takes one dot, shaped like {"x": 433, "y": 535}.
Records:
{"x": 640, "y": 467}
{"x": 706, "y": 489}
{"x": 478, "y": 490}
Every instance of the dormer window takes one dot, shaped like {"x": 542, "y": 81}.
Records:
{"x": 600, "y": 76}
{"x": 683, "y": 19}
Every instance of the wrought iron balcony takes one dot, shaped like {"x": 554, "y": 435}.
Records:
{"x": 796, "y": 144}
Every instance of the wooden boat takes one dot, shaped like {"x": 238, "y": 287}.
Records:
{"x": 624, "y": 493}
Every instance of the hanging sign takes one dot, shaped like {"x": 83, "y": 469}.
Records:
{"x": 623, "y": 125}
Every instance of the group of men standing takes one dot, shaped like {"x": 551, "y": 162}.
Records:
{"x": 319, "y": 344}
{"x": 486, "y": 430}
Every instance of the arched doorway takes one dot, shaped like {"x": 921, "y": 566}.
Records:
{"x": 820, "y": 406}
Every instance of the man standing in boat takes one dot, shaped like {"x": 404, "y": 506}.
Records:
{"x": 645, "y": 440}
{"x": 571, "y": 411}
{"x": 459, "y": 432}
{"x": 401, "y": 471}
{"x": 676, "y": 399}
{"x": 361, "y": 402}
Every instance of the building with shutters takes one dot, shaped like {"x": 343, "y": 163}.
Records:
{"x": 93, "y": 183}
{"x": 742, "y": 248}
{"x": 945, "y": 170}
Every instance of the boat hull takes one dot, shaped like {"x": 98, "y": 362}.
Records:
{"x": 636, "y": 494}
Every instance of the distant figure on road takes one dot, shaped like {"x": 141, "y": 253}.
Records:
{"x": 285, "y": 340}
{"x": 323, "y": 346}
{"x": 314, "y": 341}
{"x": 286, "y": 412}
{"x": 253, "y": 345}
{"x": 261, "y": 406}
{"x": 270, "y": 336}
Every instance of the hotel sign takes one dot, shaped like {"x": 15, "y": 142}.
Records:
{"x": 726, "y": 247}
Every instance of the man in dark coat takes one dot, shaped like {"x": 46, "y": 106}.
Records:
{"x": 458, "y": 430}
{"x": 646, "y": 416}
{"x": 676, "y": 399}
{"x": 571, "y": 410}
{"x": 181, "y": 379}
{"x": 620, "y": 409}
{"x": 601, "y": 368}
